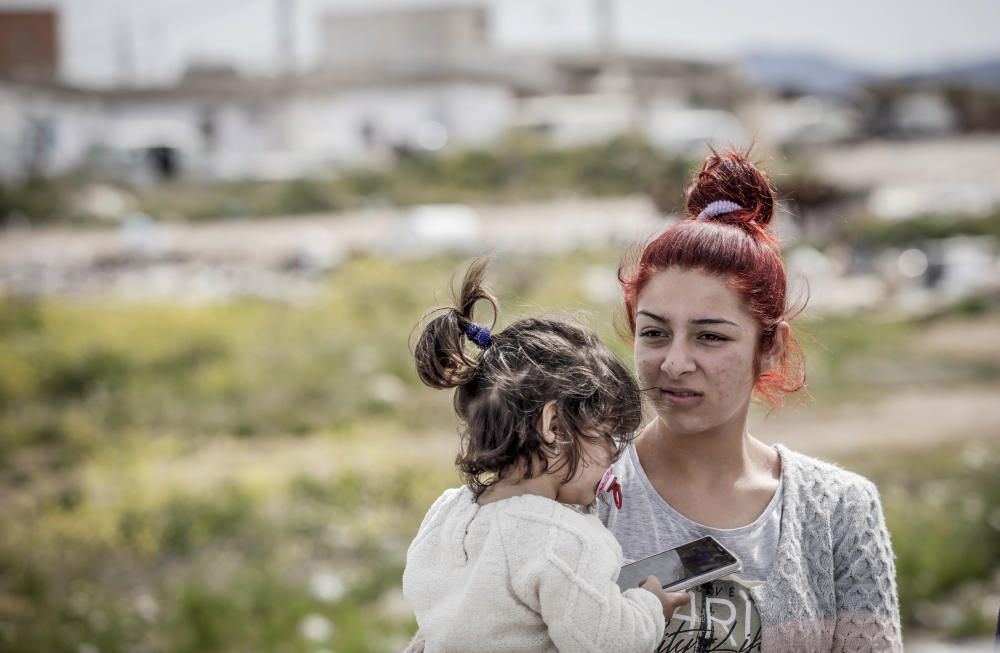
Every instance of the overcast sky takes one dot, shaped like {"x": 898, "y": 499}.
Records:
{"x": 151, "y": 40}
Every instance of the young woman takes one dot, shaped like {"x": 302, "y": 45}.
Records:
{"x": 705, "y": 302}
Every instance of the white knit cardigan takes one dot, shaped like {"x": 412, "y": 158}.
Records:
{"x": 523, "y": 574}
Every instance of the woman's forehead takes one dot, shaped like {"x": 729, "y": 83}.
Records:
{"x": 677, "y": 293}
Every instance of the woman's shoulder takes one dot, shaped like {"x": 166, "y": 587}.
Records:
{"x": 827, "y": 498}
{"x": 822, "y": 480}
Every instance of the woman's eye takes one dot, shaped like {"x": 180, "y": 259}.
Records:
{"x": 651, "y": 333}
{"x": 713, "y": 337}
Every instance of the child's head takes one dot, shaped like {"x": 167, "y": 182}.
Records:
{"x": 502, "y": 389}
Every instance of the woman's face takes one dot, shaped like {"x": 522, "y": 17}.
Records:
{"x": 695, "y": 347}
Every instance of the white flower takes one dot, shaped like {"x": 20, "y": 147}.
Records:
{"x": 316, "y": 628}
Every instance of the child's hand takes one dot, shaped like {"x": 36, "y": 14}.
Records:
{"x": 669, "y": 600}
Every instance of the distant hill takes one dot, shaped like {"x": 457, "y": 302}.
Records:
{"x": 819, "y": 74}
{"x": 802, "y": 72}
{"x": 985, "y": 74}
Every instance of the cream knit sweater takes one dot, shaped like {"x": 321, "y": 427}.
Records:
{"x": 523, "y": 574}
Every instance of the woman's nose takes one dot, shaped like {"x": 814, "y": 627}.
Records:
{"x": 678, "y": 361}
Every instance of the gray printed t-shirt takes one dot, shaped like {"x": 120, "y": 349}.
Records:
{"x": 722, "y": 612}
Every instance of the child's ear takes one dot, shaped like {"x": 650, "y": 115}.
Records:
{"x": 771, "y": 357}
{"x": 548, "y": 423}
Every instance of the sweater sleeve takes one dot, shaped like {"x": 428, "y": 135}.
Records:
{"x": 568, "y": 576}
{"x": 864, "y": 575}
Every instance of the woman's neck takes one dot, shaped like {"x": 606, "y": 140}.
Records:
{"x": 719, "y": 479}
{"x": 726, "y": 453}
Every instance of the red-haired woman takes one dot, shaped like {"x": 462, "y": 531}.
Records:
{"x": 705, "y": 303}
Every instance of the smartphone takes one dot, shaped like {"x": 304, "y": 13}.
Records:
{"x": 682, "y": 567}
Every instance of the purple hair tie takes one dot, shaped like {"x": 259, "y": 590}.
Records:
{"x": 479, "y": 334}
{"x": 718, "y": 207}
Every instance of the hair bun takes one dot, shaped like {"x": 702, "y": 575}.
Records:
{"x": 733, "y": 178}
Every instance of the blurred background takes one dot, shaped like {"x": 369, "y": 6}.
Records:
{"x": 221, "y": 220}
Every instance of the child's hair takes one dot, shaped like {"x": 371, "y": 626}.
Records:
{"x": 501, "y": 390}
{"x": 736, "y": 245}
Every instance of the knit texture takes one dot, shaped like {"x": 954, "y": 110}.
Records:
{"x": 523, "y": 574}
{"x": 832, "y": 585}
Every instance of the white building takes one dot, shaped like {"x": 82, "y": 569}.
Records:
{"x": 407, "y": 79}
{"x": 429, "y": 35}
{"x": 237, "y": 128}
{"x": 45, "y": 127}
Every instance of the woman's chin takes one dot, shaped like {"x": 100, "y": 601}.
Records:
{"x": 697, "y": 422}
{"x": 683, "y": 425}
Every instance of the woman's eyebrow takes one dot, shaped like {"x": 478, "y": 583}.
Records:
{"x": 653, "y": 316}
{"x": 699, "y": 322}
{"x": 714, "y": 320}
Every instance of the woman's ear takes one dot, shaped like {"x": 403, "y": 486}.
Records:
{"x": 548, "y": 423}
{"x": 771, "y": 357}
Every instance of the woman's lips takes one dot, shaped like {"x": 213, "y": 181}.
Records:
{"x": 680, "y": 397}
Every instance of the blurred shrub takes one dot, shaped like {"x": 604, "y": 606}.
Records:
{"x": 976, "y": 109}
{"x": 517, "y": 169}
{"x": 222, "y": 569}
{"x": 874, "y": 234}
{"x": 36, "y": 200}
{"x": 185, "y": 523}
{"x": 304, "y": 196}
{"x": 522, "y": 168}
{"x": 76, "y": 374}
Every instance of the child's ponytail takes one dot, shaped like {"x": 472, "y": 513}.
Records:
{"x": 442, "y": 350}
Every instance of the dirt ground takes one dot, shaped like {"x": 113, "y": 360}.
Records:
{"x": 907, "y": 419}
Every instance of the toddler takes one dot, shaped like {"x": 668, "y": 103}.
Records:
{"x": 504, "y": 563}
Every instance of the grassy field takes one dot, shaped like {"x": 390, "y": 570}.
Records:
{"x": 247, "y": 476}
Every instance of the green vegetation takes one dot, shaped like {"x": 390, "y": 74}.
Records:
{"x": 235, "y": 565}
{"x": 37, "y": 200}
{"x": 874, "y": 234}
{"x": 246, "y": 476}
{"x": 520, "y": 168}
{"x": 71, "y": 373}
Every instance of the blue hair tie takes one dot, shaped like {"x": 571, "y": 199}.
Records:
{"x": 718, "y": 207}
{"x": 479, "y": 334}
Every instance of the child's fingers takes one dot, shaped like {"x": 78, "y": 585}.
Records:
{"x": 671, "y": 601}
{"x": 677, "y": 599}
{"x": 651, "y": 583}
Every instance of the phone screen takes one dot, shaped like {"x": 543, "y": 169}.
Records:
{"x": 674, "y": 566}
